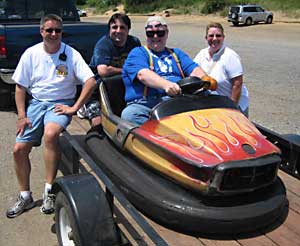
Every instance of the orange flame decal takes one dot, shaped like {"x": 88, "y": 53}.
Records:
{"x": 207, "y": 137}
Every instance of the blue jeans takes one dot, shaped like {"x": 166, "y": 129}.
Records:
{"x": 138, "y": 110}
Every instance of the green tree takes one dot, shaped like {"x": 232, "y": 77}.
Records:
{"x": 212, "y": 6}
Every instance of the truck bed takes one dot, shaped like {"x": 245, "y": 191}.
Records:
{"x": 285, "y": 231}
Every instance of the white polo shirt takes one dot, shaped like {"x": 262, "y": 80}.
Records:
{"x": 228, "y": 65}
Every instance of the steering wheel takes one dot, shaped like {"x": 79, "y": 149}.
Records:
{"x": 193, "y": 85}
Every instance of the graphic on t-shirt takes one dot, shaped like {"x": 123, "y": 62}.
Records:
{"x": 165, "y": 65}
{"x": 61, "y": 70}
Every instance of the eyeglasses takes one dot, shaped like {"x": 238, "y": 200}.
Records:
{"x": 215, "y": 35}
{"x": 56, "y": 30}
{"x": 159, "y": 33}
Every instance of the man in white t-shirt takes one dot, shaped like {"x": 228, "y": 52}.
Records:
{"x": 48, "y": 72}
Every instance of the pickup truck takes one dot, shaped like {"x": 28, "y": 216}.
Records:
{"x": 20, "y": 29}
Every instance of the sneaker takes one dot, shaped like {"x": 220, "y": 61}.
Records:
{"x": 81, "y": 113}
{"x": 20, "y": 206}
{"x": 48, "y": 203}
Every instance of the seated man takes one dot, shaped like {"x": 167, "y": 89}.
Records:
{"x": 108, "y": 58}
{"x": 48, "y": 71}
{"x": 150, "y": 73}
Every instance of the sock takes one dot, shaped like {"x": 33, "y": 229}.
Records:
{"x": 47, "y": 188}
{"x": 25, "y": 194}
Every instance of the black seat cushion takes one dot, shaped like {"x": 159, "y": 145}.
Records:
{"x": 116, "y": 93}
{"x": 182, "y": 104}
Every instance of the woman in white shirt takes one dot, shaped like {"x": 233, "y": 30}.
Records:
{"x": 223, "y": 64}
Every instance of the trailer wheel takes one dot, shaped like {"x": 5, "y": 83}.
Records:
{"x": 66, "y": 228}
{"x": 83, "y": 214}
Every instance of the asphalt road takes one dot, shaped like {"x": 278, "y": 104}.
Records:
{"x": 270, "y": 55}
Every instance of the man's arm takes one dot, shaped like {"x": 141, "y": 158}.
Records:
{"x": 198, "y": 72}
{"x": 20, "y": 98}
{"x": 106, "y": 70}
{"x": 85, "y": 94}
{"x": 151, "y": 79}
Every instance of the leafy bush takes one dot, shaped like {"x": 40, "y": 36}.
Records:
{"x": 144, "y": 6}
{"x": 212, "y": 6}
{"x": 103, "y": 4}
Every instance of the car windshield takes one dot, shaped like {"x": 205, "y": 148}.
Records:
{"x": 235, "y": 9}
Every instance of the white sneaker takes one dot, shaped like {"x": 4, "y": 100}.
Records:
{"x": 20, "y": 206}
{"x": 81, "y": 113}
{"x": 48, "y": 203}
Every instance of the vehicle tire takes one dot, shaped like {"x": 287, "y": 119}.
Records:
{"x": 77, "y": 226}
{"x": 66, "y": 229}
{"x": 235, "y": 23}
{"x": 248, "y": 21}
{"x": 269, "y": 20}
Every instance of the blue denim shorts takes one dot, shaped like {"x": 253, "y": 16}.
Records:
{"x": 138, "y": 110}
{"x": 40, "y": 113}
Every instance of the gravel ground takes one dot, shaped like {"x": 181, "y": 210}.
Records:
{"x": 270, "y": 55}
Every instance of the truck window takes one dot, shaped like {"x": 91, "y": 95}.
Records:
{"x": 35, "y": 9}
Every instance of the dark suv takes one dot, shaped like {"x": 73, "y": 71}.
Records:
{"x": 249, "y": 14}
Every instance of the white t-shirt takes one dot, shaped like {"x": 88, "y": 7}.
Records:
{"x": 228, "y": 65}
{"x": 48, "y": 78}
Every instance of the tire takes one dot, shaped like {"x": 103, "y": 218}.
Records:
{"x": 248, "y": 21}
{"x": 77, "y": 226}
{"x": 67, "y": 230}
{"x": 235, "y": 23}
{"x": 269, "y": 20}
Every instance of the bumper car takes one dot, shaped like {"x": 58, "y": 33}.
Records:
{"x": 198, "y": 165}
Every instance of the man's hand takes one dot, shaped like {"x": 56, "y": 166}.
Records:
{"x": 213, "y": 83}
{"x": 172, "y": 89}
{"x": 22, "y": 123}
{"x": 64, "y": 109}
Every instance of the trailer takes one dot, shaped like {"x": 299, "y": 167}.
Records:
{"x": 92, "y": 210}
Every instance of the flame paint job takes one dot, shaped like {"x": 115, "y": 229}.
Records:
{"x": 207, "y": 137}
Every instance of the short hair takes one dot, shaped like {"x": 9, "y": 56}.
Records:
{"x": 215, "y": 25}
{"x": 120, "y": 16}
{"x": 48, "y": 17}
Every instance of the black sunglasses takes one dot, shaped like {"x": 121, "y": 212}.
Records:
{"x": 56, "y": 30}
{"x": 159, "y": 33}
